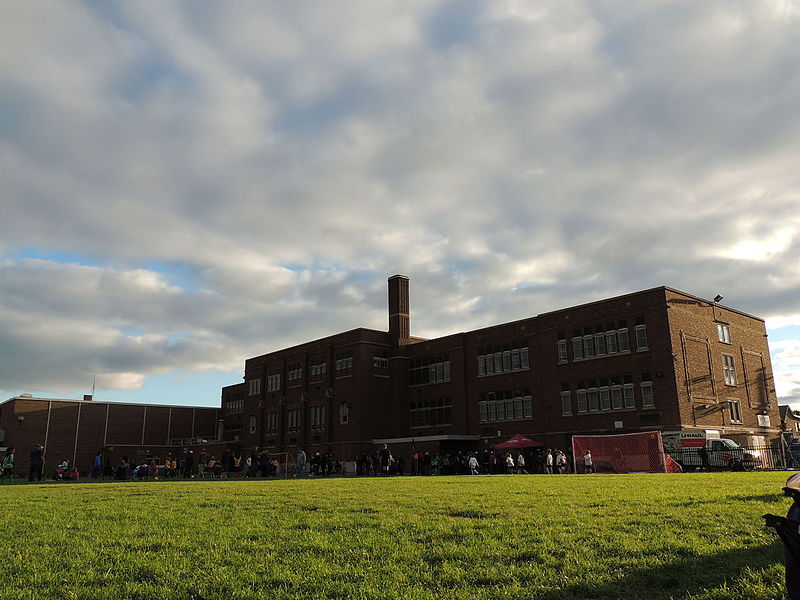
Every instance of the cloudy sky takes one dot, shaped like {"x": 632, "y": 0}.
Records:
{"x": 186, "y": 184}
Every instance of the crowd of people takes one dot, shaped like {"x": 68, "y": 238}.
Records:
{"x": 259, "y": 463}
{"x": 521, "y": 462}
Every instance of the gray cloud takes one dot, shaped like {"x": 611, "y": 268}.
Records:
{"x": 239, "y": 178}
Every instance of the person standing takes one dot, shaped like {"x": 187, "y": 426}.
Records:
{"x": 588, "y": 465}
{"x": 548, "y": 462}
{"x": 473, "y": 464}
{"x": 509, "y": 463}
{"x": 385, "y": 455}
{"x": 188, "y": 465}
{"x": 8, "y": 465}
{"x": 97, "y": 465}
{"x": 561, "y": 462}
{"x": 521, "y": 464}
{"x": 301, "y": 463}
{"x": 37, "y": 464}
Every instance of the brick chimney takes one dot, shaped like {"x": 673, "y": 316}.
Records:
{"x": 399, "y": 310}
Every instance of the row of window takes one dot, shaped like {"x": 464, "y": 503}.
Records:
{"x": 273, "y": 380}
{"x": 295, "y": 372}
{"x": 424, "y": 371}
{"x": 317, "y": 367}
{"x": 431, "y": 412}
{"x": 503, "y": 359}
{"x": 506, "y": 409}
{"x": 344, "y": 361}
{"x": 317, "y": 418}
{"x": 234, "y": 405}
{"x": 602, "y": 344}
{"x": 380, "y": 360}
{"x": 607, "y": 394}
{"x": 271, "y": 424}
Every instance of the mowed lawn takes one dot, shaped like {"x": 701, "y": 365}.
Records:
{"x": 487, "y": 537}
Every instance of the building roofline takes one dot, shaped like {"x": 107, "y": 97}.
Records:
{"x": 711, "y": 303}
{"x": 104, "y": 402}
{"x": 317, "y": 340}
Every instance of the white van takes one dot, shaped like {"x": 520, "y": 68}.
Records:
{"x": 686, "y": 449}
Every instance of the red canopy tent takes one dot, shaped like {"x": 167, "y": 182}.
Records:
{"x": 518, "y": 441}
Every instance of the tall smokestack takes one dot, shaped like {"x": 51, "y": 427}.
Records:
{"x": 399, "y": 319}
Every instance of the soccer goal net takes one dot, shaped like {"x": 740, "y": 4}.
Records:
{"x": 284, "y": 463}
{"x": 624, "y": 453}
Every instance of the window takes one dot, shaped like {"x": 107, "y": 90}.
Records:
{"x": 507, "y": 405}
{"x": 253, "y": 423}
{"x": 641, "y": 337}
{"x": 622, "y": 340}
{"x": 647, "y": 394}
{"x": 317, "y": 418}
{"x": 380, "y": 360}
{"x": 501, "y": 359}
{"x": 254, "y": 387}
{"x": 432, "y": 412}
{"x": 318, "y": 367}
{"x": 627, "y": 395}
{"x": 577, "y": 348}
{"x": 588, "y": 346}
{"x": 728, "y": 369}
{"x": 235, "y": 405}
{"x": 600, "y": 344}
{"x": 344, "y": 413}
{"x": 605, "y": 399}
{"x": 724, "y": 333}
{"x": 583, "y": 406}
{"x": 616, "y": 398}
{"x": 562, "y": 351}
{"x": 566, "y": 403}
{"x": 344, "y": 361}
{"x": 611, "y": 343}
{"x": 735, "y": 410}
{"x": 593, "y": 403}
{"x": 295, "y": 372}
{"x": 293, "y": 419}
{"x": 274, "y": 380}
{"x": 271, "y": 424}
{"x": 429, "y": 370}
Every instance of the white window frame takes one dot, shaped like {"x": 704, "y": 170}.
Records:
{"x": 577, "y": 348}
{"x": 628, "y": 399}
{"x": 648, "y": 399}
{"x": 622, "y": 334}
{"x": 254, "y": 387}
{"x": 600, "y": 344}
{"x": 724, "y": 333}
{"x": 641, "y": 336}
{"x": 617, "y": 402}
{"x": 605, "y": 399}
{"x": 735, "y": 411}
{"x": 611, "y": 342}
{"x": 562, "y": 351}
{"x": 588, "y": 346}
{"x": 729, "y": 369}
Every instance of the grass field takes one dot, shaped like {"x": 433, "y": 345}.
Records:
{"x": 696, "y": 536}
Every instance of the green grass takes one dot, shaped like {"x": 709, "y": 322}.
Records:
{"x": 697, "y": 536}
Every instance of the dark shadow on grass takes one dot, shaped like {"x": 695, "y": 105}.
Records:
{"x": 675, "y": 578}
{"x": 773, "y": 498}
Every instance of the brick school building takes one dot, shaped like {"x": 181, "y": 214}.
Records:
{"x": 658, "y": 359}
